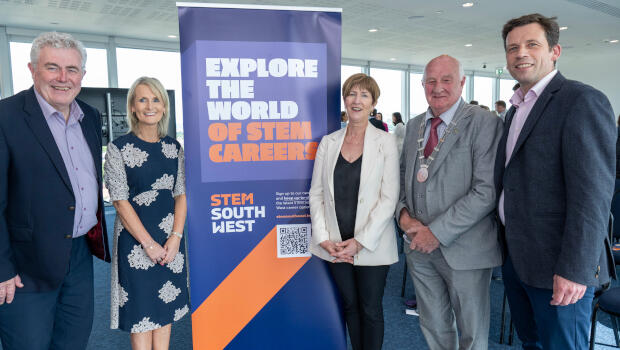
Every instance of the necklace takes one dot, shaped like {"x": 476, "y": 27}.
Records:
{"x": 425, "y": 163}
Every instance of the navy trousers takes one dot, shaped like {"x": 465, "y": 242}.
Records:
{"x": 58, "y": 320}
{"x": 541, "y": 325}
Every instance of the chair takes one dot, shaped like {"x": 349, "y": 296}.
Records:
{"x": 503, "y": 324}
{"x": 400, "y": 233}
{"x": 615, "y": 237}
{"x": 608, "y": 300}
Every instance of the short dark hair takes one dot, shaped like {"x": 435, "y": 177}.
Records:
{"x": 501, "y": 103}
{"x": 398, "y": 117}
{"x": 473, "y": 102}
{"x": 549, "y": 25}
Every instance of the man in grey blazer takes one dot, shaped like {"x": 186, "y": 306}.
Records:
{"x": 555, "y": 177}
{"x": 447, "y": 200}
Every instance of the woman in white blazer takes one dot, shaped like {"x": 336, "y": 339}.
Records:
{"x": 355, "y": 188}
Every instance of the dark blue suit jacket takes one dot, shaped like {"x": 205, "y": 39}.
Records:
{"x": 36, "y": 199}
{"x": 558, "y": 186}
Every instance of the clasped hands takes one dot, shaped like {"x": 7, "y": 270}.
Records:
{"x": 342, "y": 251}
{"x": 421, "y": 237}
{"x": 163, "y": 255}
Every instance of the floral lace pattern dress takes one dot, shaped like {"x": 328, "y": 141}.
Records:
{"x": 146, "y": 295}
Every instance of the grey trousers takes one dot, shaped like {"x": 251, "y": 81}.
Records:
{"x": 454, "y": 305}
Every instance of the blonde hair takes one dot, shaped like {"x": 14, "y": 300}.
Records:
{"x": 158, "y": 89}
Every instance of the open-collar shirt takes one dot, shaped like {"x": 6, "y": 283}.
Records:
{"x": 78, "y": 161}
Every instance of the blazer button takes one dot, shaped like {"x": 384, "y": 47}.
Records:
{"x": 72, "y": 208}
{"x": 68, "y": 236}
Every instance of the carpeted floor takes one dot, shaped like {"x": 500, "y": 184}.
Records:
{"x": 401, "y": 331}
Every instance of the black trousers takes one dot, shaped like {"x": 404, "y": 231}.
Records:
{"x": 361, "y": 290}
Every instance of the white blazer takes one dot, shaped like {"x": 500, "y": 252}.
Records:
{"x": 378, "y": 195}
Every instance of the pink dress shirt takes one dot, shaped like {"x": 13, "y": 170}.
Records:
{"x": 524, "y": 105}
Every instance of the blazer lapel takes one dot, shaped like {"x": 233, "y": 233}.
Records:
{"x": 451, "y": 139}
{"x": 88, "y": 130}
{"x": 369, "y": 153}
{"x": 36, "y": 121}
{"x": 537, "y": 111}
{"x": 502, "y": 142}
{"x": 412, "y": 154}
{"x": 508, "y": 120}
{"x": 500, "y": 160}
{"x": 335, "y": 144}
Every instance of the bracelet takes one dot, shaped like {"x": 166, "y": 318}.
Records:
{"x": 176, "y": 234}
{"x": 151, "y": 245}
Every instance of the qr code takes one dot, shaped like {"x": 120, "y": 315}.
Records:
{"x": 293, "y": 240}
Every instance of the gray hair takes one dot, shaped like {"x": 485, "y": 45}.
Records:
{"x": 461, "y": 71}
{"x": 58, "y": 41}
{"x": 158, "y": 89}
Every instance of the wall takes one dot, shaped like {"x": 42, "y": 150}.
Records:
{"x": 602, "y": 72}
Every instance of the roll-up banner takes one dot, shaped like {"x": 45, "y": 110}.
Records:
{"x": 260, "y": 88}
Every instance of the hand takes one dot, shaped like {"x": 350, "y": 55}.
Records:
{"x": 424, "y": 240}
{"x": 566, "y": 292}
{"x": 344, "y": 259}
{"x": 154, "y": 251}
{"x": 346, "y": 250}
{"x": 7, "y": 289}
{"x": 329, "y": 246}
{"x": 333, "y": 249}
{"x": 408, "y": 224}
{"x": 172, "y": 248}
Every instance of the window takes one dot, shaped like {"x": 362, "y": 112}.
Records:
{"x": 505, "y": 90}
{"x": 465, "y": 92}
{"x": 20, "y": 56}
{"x": 390, "y": 83}
{"x": 483, "y": 91}
{"x": 417, "y": 98}
{"x": 345, "y": 73}
{"x": 163, "y": 65}
{"x": 96, "y": 67}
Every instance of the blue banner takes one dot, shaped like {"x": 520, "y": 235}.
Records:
{"x": 260, "y": 88}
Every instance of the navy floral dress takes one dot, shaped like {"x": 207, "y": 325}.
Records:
{"x": 146, "y": 295}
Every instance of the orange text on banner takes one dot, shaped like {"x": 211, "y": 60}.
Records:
{"x": 287, "y": 141}
{"x": 242, "y": 294}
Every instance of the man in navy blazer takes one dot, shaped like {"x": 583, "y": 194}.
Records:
{"x": 50, "y": 203}
{"x": 554, "y": 174}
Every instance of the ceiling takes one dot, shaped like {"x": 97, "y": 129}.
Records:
{"x": 409, "y": 31}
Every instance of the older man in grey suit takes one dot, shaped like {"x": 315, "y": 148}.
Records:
{"x": 447, "y": 198}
